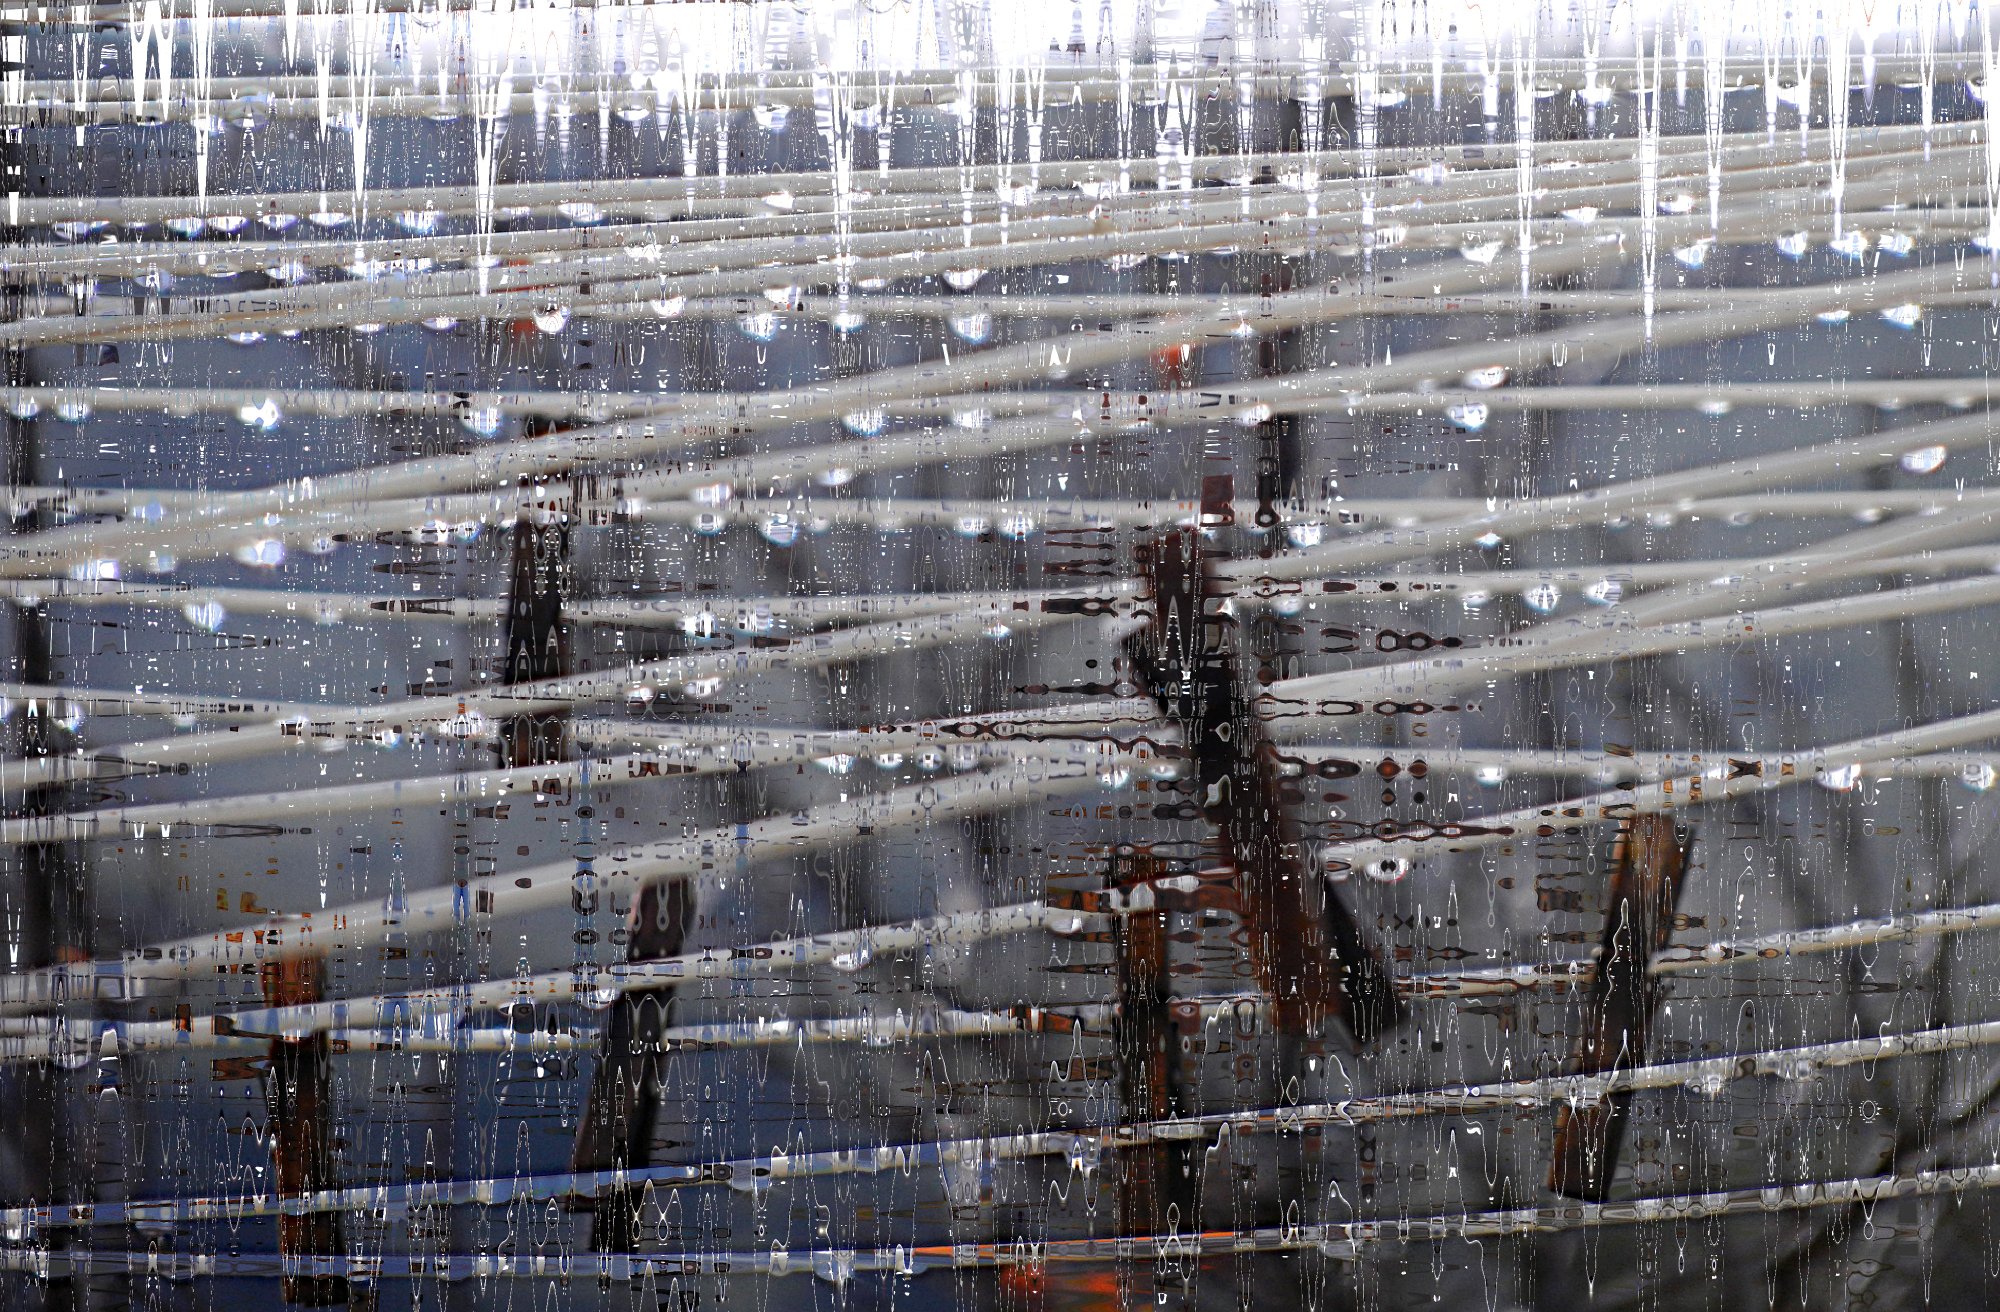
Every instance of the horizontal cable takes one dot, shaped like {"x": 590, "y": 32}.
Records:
{"x": 1083, "y": 1148}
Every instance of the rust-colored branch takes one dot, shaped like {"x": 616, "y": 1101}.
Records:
{"x": 1649, "y": 864}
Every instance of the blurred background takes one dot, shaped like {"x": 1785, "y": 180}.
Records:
{"x": 982, "y": 86}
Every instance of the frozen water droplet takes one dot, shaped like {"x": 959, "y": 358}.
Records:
{"x": 1387, "y": 870}
{"x": 963, "y": 280}
{"x": 1543, "y": 598}
{"x": 779, "y": 530}
{"x": 1978, "y": 776}
{"x": 1795, "y": 1068}
{"x": 206, "y": 615}
{"x": 552, "y": 319}
{"x": 1490, "y": 776}
{"x": 971, "y": 328}
{"x": 481, "y": 421}
{"x": 1693, "y": 256}
{"x": 1708, "y": 1085}
{"x": 1470, "y": 416}
{"x": 1841, "y": 779}
{"x": 265, "y": 553}
{"x": 1903, "y": 316}
{"x": 1923, "y": 460}
{"x": 1486, "y": 379}
{"x": 263, "y": 416}
{"x": 1604, "y": 592}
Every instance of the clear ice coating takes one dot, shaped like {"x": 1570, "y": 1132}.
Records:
{"x": 1138, "y": 652}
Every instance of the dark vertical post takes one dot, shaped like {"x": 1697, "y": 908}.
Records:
{"x": 1649, "y": 863}
{"x": 616, "y": 1128}
{"x": 1307, "y": 950}
{"x": 1155, "y": 1179}
{"x": 537, "y": 644}
{"x": 49, "y": 896}
{"x": 299, "y": 1096}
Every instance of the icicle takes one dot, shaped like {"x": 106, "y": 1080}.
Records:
{"x": 1992, "y": 134}
{"x": 1714, "y": 105}
{"x": 492, "y": 97}
{"x": 1124, "y": 124}
{"x": 79, "y": 66}
{"x": 833, "y": 109}
{"x": 1526, "y": 49}
{"x": 1838, "y": 93}
{"x": 1648, "y": 90}
{"x": 1927, "y": 67}
{"x": 152, "y": 46}
{"x": 1367, "y": 129}
{"x": 1312, "y": 103}
{"x": 201, "y": 46}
